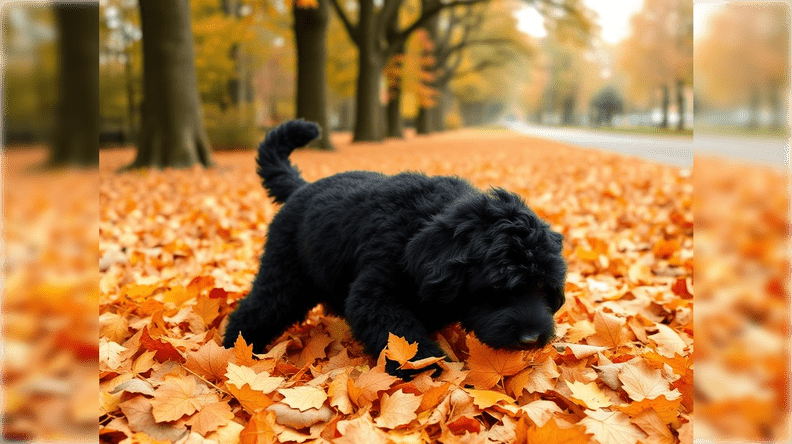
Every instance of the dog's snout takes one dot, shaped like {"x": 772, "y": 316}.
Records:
{"x": 529, "y": 339}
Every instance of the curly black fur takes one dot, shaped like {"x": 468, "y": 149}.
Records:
{"x": 405, "y": 254}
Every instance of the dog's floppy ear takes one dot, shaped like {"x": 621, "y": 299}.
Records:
{"x": 436, "y": 259}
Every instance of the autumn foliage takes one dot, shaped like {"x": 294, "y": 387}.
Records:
{"x": 180, "y": 248}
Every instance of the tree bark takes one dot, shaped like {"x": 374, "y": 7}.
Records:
{"x": 680, "y": 90}
{"x": 76, "y": 139}
{"x": 310, "y": 34}
{"x": 368, "y": 108}
{"x": 426, "y": 119}
{"x": 666, "y": 101}
{"x": 395, "y": 122}
{"x": 172, "y": 132}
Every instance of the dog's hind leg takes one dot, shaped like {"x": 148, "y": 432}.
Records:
{"x": 374, "y": 309}
{"x": 279, "y": 297}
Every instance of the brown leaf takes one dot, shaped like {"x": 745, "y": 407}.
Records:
{"x": 609, "y": 330}
{"x": 534, "y": 379}
{"x": 363, "y": 391}
{"x": 668, "y": 341}
{"x": 656, "y": 431}
{"x": 174, "y": 399}
{"x": 314, "y": 349}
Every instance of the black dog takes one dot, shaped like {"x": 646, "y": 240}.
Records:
{"x": 405, "y": 254}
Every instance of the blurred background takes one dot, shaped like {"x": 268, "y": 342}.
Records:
{"x": 201, "y": 76}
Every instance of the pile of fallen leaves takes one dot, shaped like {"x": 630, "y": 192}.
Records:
{"x": 180, "y": 248}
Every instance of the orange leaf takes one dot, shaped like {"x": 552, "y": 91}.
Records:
{"x": 611, "y": 427}
{"x": 199, "y": 284}
{"x": 338, "y": 392}
{"x": 210, "y": 418}
{"x": 485, "y": 399}
{"x": 488, "y": 366}
{"x": 251, "y": 400}
{"x": 397, "y": 409}
{"x": 666, "y": 409}
{"x": 399, "y": 349}
{"x": 314, "y": 349}
{"x": 209, "y": 361}
{"x": 668, "y": 341}
{"x": 550, "y": 432}
{"x": 363, "y": 391}
{"x": 165, "y": 350}
{"x": 664, "y": 249}
{"x": 137, "y": 411}
{"x": 207, "y": 308}
{"x": 464, "y": 424}
{"x": 535, "y": 379}
{"x": 174, "y": 399}
{"x": 259, "y": 430}
{"x": 243, "y": 353}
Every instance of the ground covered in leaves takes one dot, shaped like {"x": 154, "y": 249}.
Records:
{"x": 180, "y": 248}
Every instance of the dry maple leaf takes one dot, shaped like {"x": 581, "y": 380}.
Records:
{"x": 579, "y": 350}
{"x": 580, "y": 330}
{"x": 642, "y": 382}
{"x": 589, "y": 395}
{"x": 488, "y": 366}
{"x": 550, "y": 432}
{"x": 109, "y": 353}
{"x": 238, "y": 376}
{"x": 209, "y": 361}
{"x": 363, "y": 390}
{"x": 399, "y": 349}
{"x": 137, "y": 411}
{"x": 666, "y": 409}
{"x": 609, "y": 330}
{"x": 611, "y": 427}
{"x": 397, "y": 409}
{"x": 540, "y": 411}
{"x": 135, "y": 386}
{"x": 210, "y": 417}
{"x": 251, "y": 400}
{"x": 259, "y": 429}
{"x": 656, "y": 431}
{"x": 243, "y": 353}
{"x": 175, "y": 398}
{"x": 338, "y": 392}
{"x": 485, "y": 399}
{"x": 668, "y": 341}
{"x": 165, "y": 351}
{"x": 314, "y": 349}
{"x": 297, "y": 419}
{"x": 207, "y": 308}
{"x": 360, "y": 430}
{"x": 534, "y": 379}
{"x": 303, "y": 398}
{"x": 113, "y": 327}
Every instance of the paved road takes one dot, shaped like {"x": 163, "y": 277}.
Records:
{"x": 670, "y": 150}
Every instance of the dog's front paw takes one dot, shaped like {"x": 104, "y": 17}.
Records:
{"x": 394, "y": 368}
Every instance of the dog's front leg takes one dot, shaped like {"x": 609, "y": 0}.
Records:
{"x": 374, "y": 309}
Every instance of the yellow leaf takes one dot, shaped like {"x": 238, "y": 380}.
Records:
{"x": 642, "y": 382}
{"x": 174, "y": 399}
{"x": 609, "y": 330}
{"x": 304, "y": 397}
{"x": 238, "y": 376}
{"x": 589, "y": 395}
{"x": 210, "y": 418}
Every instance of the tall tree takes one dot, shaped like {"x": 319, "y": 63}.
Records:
{"x": 76, "y": 139}
{"x": 658, "y": 55}
{"x": 310, "y": 34}
{"x": 172, "y": 132}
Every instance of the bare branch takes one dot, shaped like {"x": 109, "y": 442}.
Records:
{"x": 351, "y": 29}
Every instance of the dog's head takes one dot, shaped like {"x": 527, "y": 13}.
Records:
{"x": 492, "y": 256}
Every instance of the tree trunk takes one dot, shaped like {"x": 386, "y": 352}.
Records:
{"x": 755, "y": 102}
{"x": 424, "y": 123}
{"x": 666, "y": 101}
{"x": 680, "y": 90}
{"x": 368, "y": 108}
{"x": 395, "y": 123}
{"x": 310, "y": 34}
{"x": 76, "y": 139}
{"x": 172, "y": 132}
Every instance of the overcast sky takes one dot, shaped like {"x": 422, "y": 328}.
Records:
{"x": 614, "y": 18}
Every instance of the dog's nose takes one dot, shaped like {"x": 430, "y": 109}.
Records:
{"x": 529, "y": 339}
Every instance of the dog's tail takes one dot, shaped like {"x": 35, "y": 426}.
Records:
{"x": 279, "y": 176}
